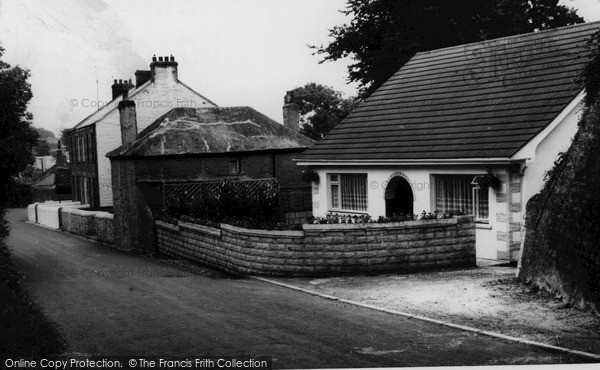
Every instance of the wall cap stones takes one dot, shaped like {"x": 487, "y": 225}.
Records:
{"x": 266, "y": 233}
{"x": 204, "y": 229}
{"x": 166, "y": 225}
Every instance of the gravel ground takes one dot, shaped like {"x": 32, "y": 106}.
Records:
{"x": 487, "y": 297}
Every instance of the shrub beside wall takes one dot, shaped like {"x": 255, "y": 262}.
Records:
{"x": 324, "y": 249}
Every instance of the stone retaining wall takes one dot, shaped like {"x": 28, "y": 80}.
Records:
{"x": 94, "y": 224}
{"x": 324, "y": 249}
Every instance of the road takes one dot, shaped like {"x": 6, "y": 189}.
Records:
{"x": 108, "y": 302}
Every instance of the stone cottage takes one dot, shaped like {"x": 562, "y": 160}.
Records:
{"x": 200, "y": 145}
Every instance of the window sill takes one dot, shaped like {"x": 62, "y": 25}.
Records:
{"x": 340, "y": 211}
{"x": 483, "y": 225}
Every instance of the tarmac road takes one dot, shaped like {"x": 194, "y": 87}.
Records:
{"x": 107, "y": 302}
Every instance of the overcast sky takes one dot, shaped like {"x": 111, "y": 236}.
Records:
{"x": 235, "y": 52}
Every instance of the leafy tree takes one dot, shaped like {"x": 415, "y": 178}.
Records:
{"x": 42, "y": 148}
{"x": 384, "y": 34}
{"x": 321, "y": 108}
{"x": 45, "y": 134}
{"x": 18, "y": 137}
{"x": 64, "y": 136}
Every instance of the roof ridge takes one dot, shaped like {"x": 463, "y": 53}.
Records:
{"x": 540, "y": 32}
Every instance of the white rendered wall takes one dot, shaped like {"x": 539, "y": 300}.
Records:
{"x": 151, "y": 103}
{"x": 547, "y": 151}
{"x": 47, "y": 213}
{"x": 421, "y": 180}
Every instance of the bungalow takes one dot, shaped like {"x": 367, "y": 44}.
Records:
{"x": 156, "y": 92}
{"x": 429, "y": 138}
{"x": 200, "y": 145}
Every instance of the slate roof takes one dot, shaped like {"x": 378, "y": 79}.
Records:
{"x": 114, "y": 104}
{"x": 210, "y": 131}
{"x": 55, "y": 175}
{"x": 480, "y": 100}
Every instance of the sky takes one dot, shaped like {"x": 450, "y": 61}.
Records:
{"x": 234, "y": 52}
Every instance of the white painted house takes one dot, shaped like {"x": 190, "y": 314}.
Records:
{"x": 155, "y": 93}
{"x": 423, "y": 140}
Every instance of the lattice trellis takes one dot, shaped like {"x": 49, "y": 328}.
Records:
{"x": 218, "y": 200}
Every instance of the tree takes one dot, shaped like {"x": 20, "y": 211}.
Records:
{"x": 384, "y": 34}
{"x": 18, "y": 137}
{"x": 321, "y": 108}
{"x": 64, "y": 139}
{"x": 42, "y": 148}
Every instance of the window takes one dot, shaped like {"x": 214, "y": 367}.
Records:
{"x": 348, "y": 192}
{"x": 235, "y": 166}
{"x": 80, "y": 148}
{"x": 480, "y": 200}
{"x": 462, "y": 193}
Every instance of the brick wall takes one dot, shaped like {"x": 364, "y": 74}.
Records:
{"x": 297, "y": 217}
{"x": 324, "y": 249}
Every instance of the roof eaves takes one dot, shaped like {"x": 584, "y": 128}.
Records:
{"x": 197, "y": 93}
{"x": 112, "y": 105}
{"x": 404, "y": 162}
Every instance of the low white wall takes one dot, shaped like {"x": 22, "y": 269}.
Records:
{"x": 31, "y": 212}
{"x": 47, "y": 212}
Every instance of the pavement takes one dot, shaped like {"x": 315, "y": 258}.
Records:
{"x": 107, "y": 302}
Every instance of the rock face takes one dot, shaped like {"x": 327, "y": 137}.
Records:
{"x": 561, "y": 250}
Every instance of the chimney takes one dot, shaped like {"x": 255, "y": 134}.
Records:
{"x": 121, "y": 87}
{"x": 164, "y": 70}
{"x": 291, "y": 113}
{"x": 128, "y": 122}
{"x": 60, "y": 158}
{"x": 141, "y": 77}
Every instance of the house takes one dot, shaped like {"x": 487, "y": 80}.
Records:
{"x": 55, "y": 182}
{"x": 425, "y": 140}
{"x": 200, "y": 145}
{"x": 155, "y": 93}
{"x": 43, "y": 162}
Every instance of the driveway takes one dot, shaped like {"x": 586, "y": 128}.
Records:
{"x": 107, "y": 302}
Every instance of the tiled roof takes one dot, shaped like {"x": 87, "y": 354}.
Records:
{"x": 212, "y": 130}
{"x": 481, "y": 100}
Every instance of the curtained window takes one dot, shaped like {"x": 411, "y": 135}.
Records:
{"x": 348, "y": 191}
{"x": 480, "y": 201}
{"x": 461, "y": 193}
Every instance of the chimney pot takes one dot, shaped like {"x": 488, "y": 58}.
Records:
{"x": 121, "y": 87}
{"x": 164, "y": 71}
